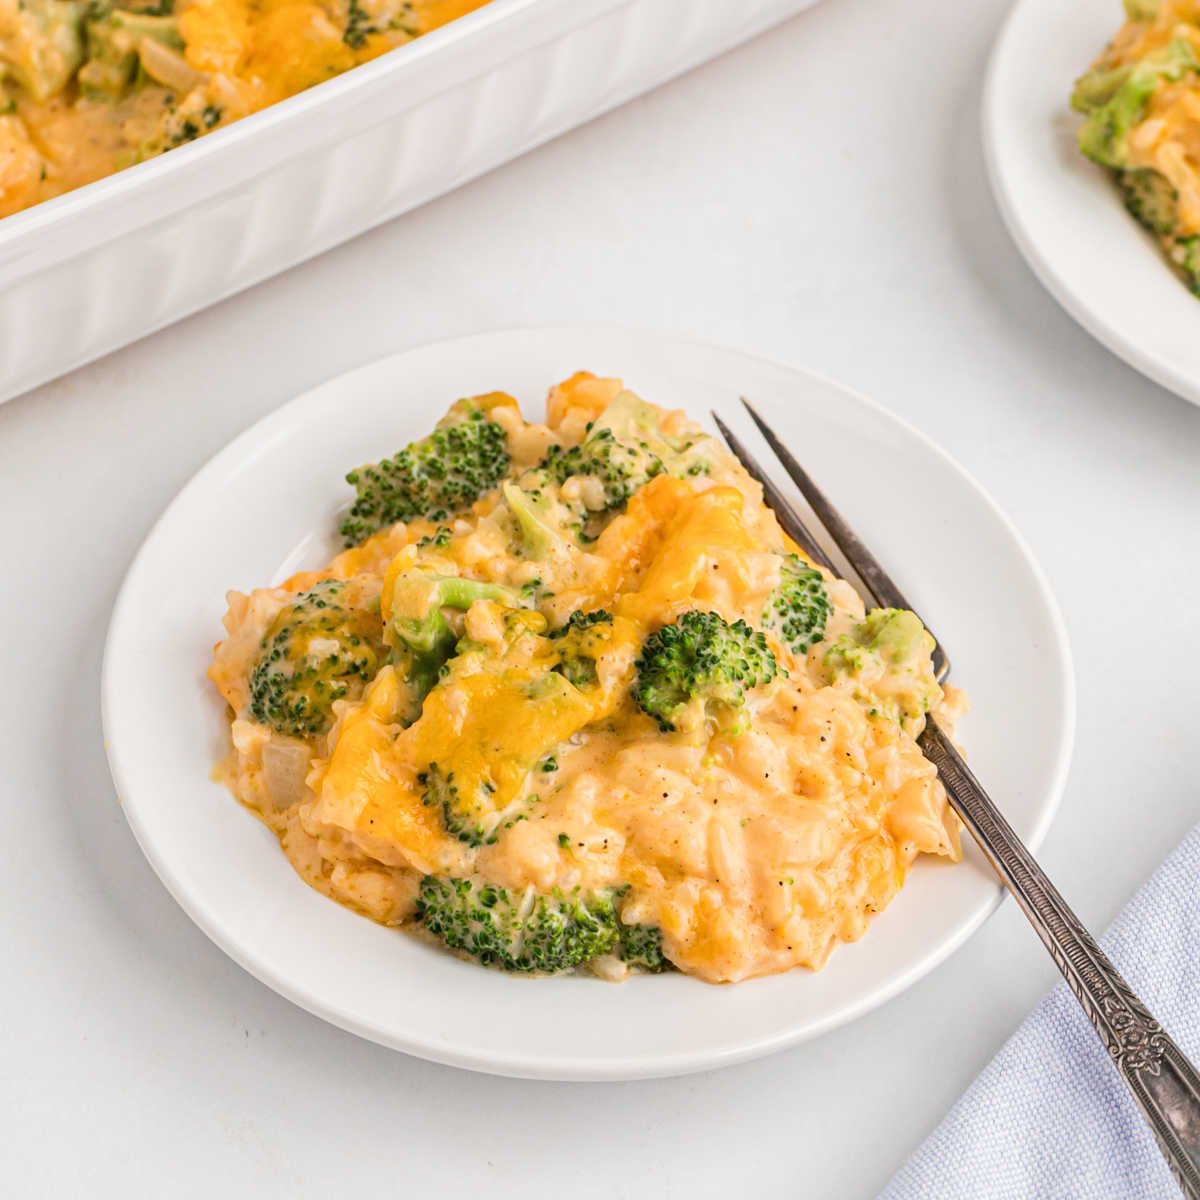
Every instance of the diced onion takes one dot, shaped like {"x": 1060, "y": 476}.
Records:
{"x": 167, "y": 67}
{"x": 609, "y": 968}
{"x": 285, "y": 766}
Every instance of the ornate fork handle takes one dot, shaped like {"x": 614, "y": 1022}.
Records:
{"x": 1164, "y": 1083}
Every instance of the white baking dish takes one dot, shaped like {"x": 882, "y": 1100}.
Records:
{"x": 92, "y": 270}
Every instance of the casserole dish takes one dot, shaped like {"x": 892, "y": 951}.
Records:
{"x": 92, "y": 270}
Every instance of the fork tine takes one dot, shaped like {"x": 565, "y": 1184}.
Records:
{"x": 877, "y": 581}
{"x": 787, "y": 516}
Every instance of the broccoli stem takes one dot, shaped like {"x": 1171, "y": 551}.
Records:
{"x": 426, "y": 642}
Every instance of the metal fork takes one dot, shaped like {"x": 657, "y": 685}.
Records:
{"x": 1162, "y": 1080}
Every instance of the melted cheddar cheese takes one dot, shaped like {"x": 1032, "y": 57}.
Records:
{"x": 754, "y": 847}
{"x": 89, "y": 88}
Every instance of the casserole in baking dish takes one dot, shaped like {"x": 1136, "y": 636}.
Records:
{"x": 88, "y": 87}
{"x": 97, "y": 267}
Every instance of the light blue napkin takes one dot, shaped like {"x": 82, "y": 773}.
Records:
{"x": 1049, "y": 1118}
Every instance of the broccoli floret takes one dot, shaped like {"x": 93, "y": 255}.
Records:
{"x": 468, "y": 806}
{"x": 623, "y": 450}
{"x": 113, "y": 37}
{"x": 530, "y": 931}
{"x": 1115, "y": 99}
{"x": 464, "y": 457}
{"x": 888, "y": 653}
{"x": 701, "y": 659}
{"x": 895, "y": 635}
{"x": 640, "y": 946}
{"x": 536, "y": 525}
{"x": 578, "y": 643}
{"x": 42, "y": 45}
{"x": 1150, "y": 198}
{"x": 1186, "y": 255}
{"x": 519, "y": 931}
{"x": 324, "y": 646}
{"x": 473, "y": 807}
{"x": 439, "y": 539}
{"x": 418, "y": 626}
{"x": 367, "y": 17}
{"x": 465, "y": 811}
{"x": 1097, "y": 87}
{"x": 480, "y": 765}
{"x": 1142, "y": 10}
{"x": 799, "y": 607}
{"x": 621, "y": 468}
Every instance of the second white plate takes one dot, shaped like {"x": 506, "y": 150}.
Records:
{"x": 1064, "y": 212}
{"x": 266, "y": 505}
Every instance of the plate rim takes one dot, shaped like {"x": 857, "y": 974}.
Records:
{"x": 1158, "y": 367}
{"x": 562, "y": 1068}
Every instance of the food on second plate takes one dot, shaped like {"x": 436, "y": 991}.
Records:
{"x": 90, "y": 86}
{"x": 1141, "y": 107}
{"x": 570, "y": 699}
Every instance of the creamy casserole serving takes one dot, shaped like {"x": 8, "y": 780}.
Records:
{"x": 569, "y": 699}
{"x": 1141, "y": 107}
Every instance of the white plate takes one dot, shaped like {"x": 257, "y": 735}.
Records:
{"x": 265, "y": 506}
{"x": 1064, "y": 212}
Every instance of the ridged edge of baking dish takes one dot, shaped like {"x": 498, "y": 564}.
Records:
{"x": 97, "y": 268}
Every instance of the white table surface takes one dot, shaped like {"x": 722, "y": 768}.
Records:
{"x": 819, "y": 196}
